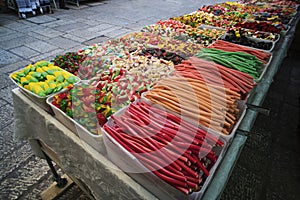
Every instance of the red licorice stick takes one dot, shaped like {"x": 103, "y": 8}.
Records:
{"x": 234, "y": 80}
{"x": 138, "y": 130}
{"x": 181, "y": 137}
{"x": 153, "y": 145}
{"x": 110, "y": 131}
{"x": 189, "y": 157}
{"x": 149, "y": 132}
{"x": 168, "y": 166}
{"x": 162, "y": 137}
{"x": 201, "y": 166}
{"x": 210, "y": 137}
{"x": 184, "y": 190}
{"x": 194, "y": 180}
{"x": 141, "y": 149}
{"x": 192, "y": 185}
{"x": 211, "y": 157}
{"x": 135, "y": 117}
{"x": 143, "y": 117}
{"x": 186, "y": 125}
{"x": 122, "y": 124}
{"x": 154, "y": 167}
{"x": 188, "y": 170}
{"x": 137, "y": 147}
{"x": 170, "y": 180}
{"x": 134, "y": 138}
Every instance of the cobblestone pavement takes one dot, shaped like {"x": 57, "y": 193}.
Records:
{"x": 269, "y": 165}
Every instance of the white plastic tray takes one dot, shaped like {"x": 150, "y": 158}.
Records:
{"x": 264, "y": 69}
{"x": 41, "y": 101}
{"x": 275, "y": 41}
{"x": 130, "y": 164}
{"x": 254, "y": 39}
{"x": 96, "y": 141}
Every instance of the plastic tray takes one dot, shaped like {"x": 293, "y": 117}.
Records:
{"x": 253, "y": 39}
{"x": 41, "y": 101}
{"x": 275, "y": 41}
{"x": 264, "y": 70}
{"x": 96, "y": 141}
{"x": 129, "y": 164}
{"x": 286, "y": 31}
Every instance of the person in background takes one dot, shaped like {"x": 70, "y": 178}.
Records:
{"x": 62, "y": 5}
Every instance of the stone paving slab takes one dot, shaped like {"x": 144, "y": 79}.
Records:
{"x": 61, "y": 42}
{"x": 74, "y": 38}
{"x": 7, "y": 69}
{"x": 17, "y": 26}
{"x": 6, "y": 116}
{"x": 24, "y": 52}
{"x": 92, "y": 32}
{"x": 2, "y": 103}
{"x": 5, "y": 31}
{"x": 6, "y": 92}
{"x": 41, "y": 46}
{"x": 96, "y": 40}
{"x": 41, "y": 19}
{"x": 70, "y": 26}
{"x": 48, "y": 32}
{"x": 47, "y": 56}
{"x": 16, "y": 42}
{"x": 10, "y": 36}
{"x": 14, "y": 161}
{"x": 25, "y": 177}
{"x": 5, "y": 81}
{"x": 7, "y": 57}
{"x": 8, "y": 144}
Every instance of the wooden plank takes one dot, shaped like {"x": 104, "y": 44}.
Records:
{"x": 53, "y": 191}
{"x": 83, "y": 187}
{"x": 50, "y": 153}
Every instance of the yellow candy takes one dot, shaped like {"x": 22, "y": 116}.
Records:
{"x": 28, "y": 76}
{"x": 57, "y": 73}
{"x": 28, "y": 66}
{"x": 14, "y": 76}
{"x": 46, "y": 86}
{"x": 45, "y": 68}
{"x": 52, "y": 85}
{"x": 36, "y": 89}
{"x": 23, "y": 79}
{"x": 39, "y": 70}
{"x": 65, "y": 74}
{"x": 53, "y": 67}
{"x": 50, "y": 77}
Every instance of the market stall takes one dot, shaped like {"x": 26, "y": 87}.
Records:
{"x": 129, "y": 119}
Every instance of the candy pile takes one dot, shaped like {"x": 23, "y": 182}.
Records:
{"x": 43, "y": 78}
